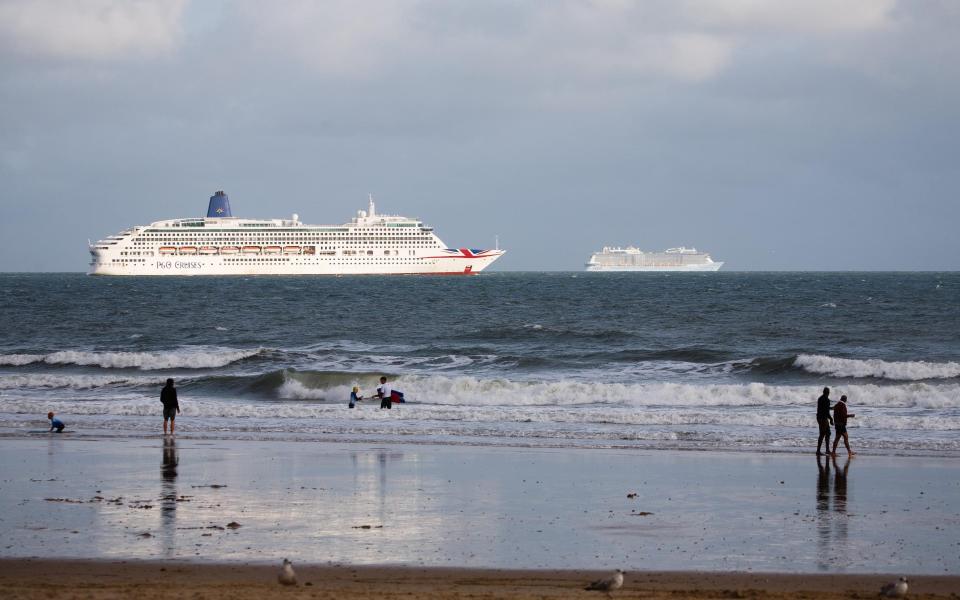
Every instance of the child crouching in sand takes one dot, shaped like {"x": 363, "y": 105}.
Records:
{"x": 55, "y": 423}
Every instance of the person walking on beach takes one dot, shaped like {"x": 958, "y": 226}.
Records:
{"x": 840, "y": 416}
{"x": 824, "y": 420}
{"x": 55, "y": 423}
{"x": 171, "y": 407}
{"x": 385, "y": 394}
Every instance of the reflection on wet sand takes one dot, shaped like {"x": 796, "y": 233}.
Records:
{"x": 463, "y": 506}
{"x": 832, "y": 526}
{"x": 168, "y": 495}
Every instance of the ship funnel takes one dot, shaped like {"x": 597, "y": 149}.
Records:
{"x": 219, "y": 205}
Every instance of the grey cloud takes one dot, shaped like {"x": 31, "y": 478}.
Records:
{"x": 771, "y": 138}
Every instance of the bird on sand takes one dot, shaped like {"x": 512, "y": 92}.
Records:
{"x": 895, "y": 589}
{"x": 287, "y": 576}
{"x": 614, "y": 582}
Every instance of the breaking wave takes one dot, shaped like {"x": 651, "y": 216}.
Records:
{"x": 876, "y": 368}
{"x": 18, "y": 360}
{"x": 187, "y": 357}
{"x": 73, "y": 382}
{"x": 490, "y": 420}
{"x": 452, "y": 390}
{"x": 569, "y": 393}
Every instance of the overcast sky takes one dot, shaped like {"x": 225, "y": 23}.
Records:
{"x": 786, "y": 134}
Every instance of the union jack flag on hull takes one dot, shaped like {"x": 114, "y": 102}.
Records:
{"x": 466, "y": 261}
{"x": 469, "y": 253}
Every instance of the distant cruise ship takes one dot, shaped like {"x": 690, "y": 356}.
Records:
{"x": 632, "y": 259}
{"x": 221, "y": 244}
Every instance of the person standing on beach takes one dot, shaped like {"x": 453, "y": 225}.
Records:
{"x": 385, "y": 394}
{"x": 824, "y": 420}
{"x": 840, "y": 416}
{"x": 171, "y": 406}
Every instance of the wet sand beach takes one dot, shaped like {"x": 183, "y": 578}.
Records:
{"x": 34, "y": 579}
{"x": 476, "y": 507}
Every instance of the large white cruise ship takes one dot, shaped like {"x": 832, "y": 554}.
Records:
{"x": 221, "y": 244}
{"x": 632, "y": 259}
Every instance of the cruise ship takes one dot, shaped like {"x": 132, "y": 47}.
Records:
{"x": 633, "y": 259}
{"x": 221, "y": 244}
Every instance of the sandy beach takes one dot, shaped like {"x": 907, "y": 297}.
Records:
{"x": 229, "y": 501}
{"x": 29, "y": 579}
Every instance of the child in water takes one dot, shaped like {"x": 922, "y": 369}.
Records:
{"x": 355, "y": 397}
{"x": 55, "y": 423}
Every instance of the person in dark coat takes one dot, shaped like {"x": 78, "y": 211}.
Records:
{"x": 824, "y": 420}
{"x": 171, "y": 406}
{"x": 840, "y": 416}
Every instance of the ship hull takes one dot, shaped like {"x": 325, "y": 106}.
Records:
{"x": 710, "y": 267}
{"x": 200, "y": 265}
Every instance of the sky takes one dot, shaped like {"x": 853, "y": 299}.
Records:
{"x": 783, "y": 135}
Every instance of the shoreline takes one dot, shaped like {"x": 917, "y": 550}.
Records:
{"x": 36, "y": 579}
{"x": 94, "y": 435}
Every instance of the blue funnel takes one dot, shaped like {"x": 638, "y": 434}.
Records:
{"x": 219, "y": 205}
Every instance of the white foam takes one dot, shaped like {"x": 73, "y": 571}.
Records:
{"x": 291, "y": 389}
{"x": 187, "y": 357}
{"x": 477, "y": 392}
{"x": 501, "y": 392}
{"x": 18, "y": 360}
{"x": 620, "y": 422}
{"x": 881, "y": 369}
{"x": 75, "y": 382}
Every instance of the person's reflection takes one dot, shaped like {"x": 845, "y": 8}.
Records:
{"x": 840, "y": 501}
{"x": 168, "y": 497}
{"x": 383, "y": 459}
{"x": 823, "y": 513}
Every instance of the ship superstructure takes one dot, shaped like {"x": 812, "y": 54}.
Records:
{"x": 633, "y": 259}
{"x": 221, "y": 244}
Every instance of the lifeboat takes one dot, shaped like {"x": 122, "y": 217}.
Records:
{"x": 168, "y": 250}
{"x": 271, "y": 249}
{"x": 291, "y": 249}
{"x": 229, "y": 250}
{"x": 188, "y": 249}
{"x": 309, "y": 249}
{"x": 250, "y": 250}
{"x": 208, "y": 250}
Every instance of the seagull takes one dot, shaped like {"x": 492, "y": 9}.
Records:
{"x": 287, "y": 576}
{"x": 614, "y": 582}
{"x": 896, "y": 589}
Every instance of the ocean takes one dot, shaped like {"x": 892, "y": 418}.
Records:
{"x": 728, "y": 360}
